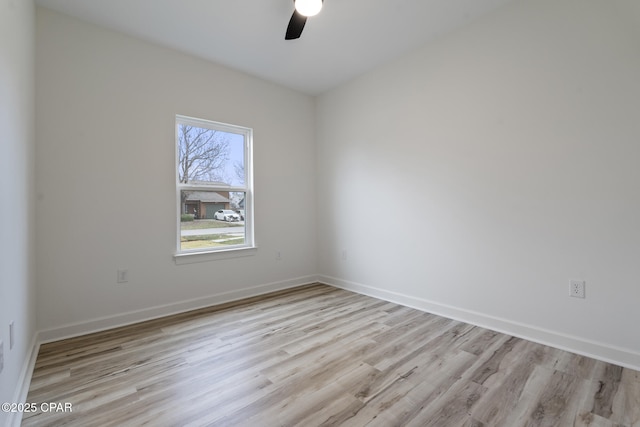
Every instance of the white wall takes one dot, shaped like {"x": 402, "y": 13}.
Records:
{"x": 106, "y": 106}
{"x": 476, "y": 176}
{"x": 17, "y": 282}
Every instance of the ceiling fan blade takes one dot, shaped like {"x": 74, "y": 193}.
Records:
{"x": 296, "y": 25}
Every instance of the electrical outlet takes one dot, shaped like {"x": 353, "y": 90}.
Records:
{"x": 123, "y": 276}
{"x": 278, "y": 256}
{"x": 576, "y": 289}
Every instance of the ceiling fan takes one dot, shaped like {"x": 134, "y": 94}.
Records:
{"x": 303, "y": 10}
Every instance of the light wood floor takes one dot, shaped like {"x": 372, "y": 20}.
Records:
{"x": 320, "y": 356}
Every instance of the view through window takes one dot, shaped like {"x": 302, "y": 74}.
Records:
{"x": 213, "y": 185}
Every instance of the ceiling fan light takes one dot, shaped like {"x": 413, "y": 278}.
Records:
{"x": 308, "y": 7}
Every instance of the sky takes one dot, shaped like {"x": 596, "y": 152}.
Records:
{"x": 235, "y": 144}
{"x": 236, "y": 155}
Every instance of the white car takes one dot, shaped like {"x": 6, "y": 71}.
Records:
{"x": 226, "y": 215}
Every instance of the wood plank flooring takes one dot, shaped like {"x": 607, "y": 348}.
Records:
{"x": 320, "y": 356}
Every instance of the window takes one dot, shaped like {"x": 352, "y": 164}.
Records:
{"x": 213, "y": 186}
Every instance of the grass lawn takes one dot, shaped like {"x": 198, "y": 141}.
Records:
{"x": 209, "y": 241}
{"x": 207, "y": 223}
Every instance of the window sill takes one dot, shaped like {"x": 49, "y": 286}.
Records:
{"x": 193, "y": 257}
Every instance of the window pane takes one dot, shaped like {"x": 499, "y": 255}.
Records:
{"x": 213, "y": 180}
{"x": 211, "y": 219}
{"x": 210, "y": 156}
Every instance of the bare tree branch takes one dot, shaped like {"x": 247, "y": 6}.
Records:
{"x": 239, "y": 169}
{"x": 203, "y": 154}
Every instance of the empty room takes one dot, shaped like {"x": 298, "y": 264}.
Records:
{"x": 306, "y": 213}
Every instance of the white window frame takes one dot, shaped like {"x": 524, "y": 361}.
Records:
{"x": 248, "y": 247}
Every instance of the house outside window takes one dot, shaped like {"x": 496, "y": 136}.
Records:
{"x": 214, "y": 186}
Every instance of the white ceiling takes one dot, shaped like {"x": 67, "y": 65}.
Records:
{"x": 347, "y": 38}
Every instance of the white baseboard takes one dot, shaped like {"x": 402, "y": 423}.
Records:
{"x": 20, "y": 395}
{"x": 123, "y": 319}
{"x": 607, "y": 353}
